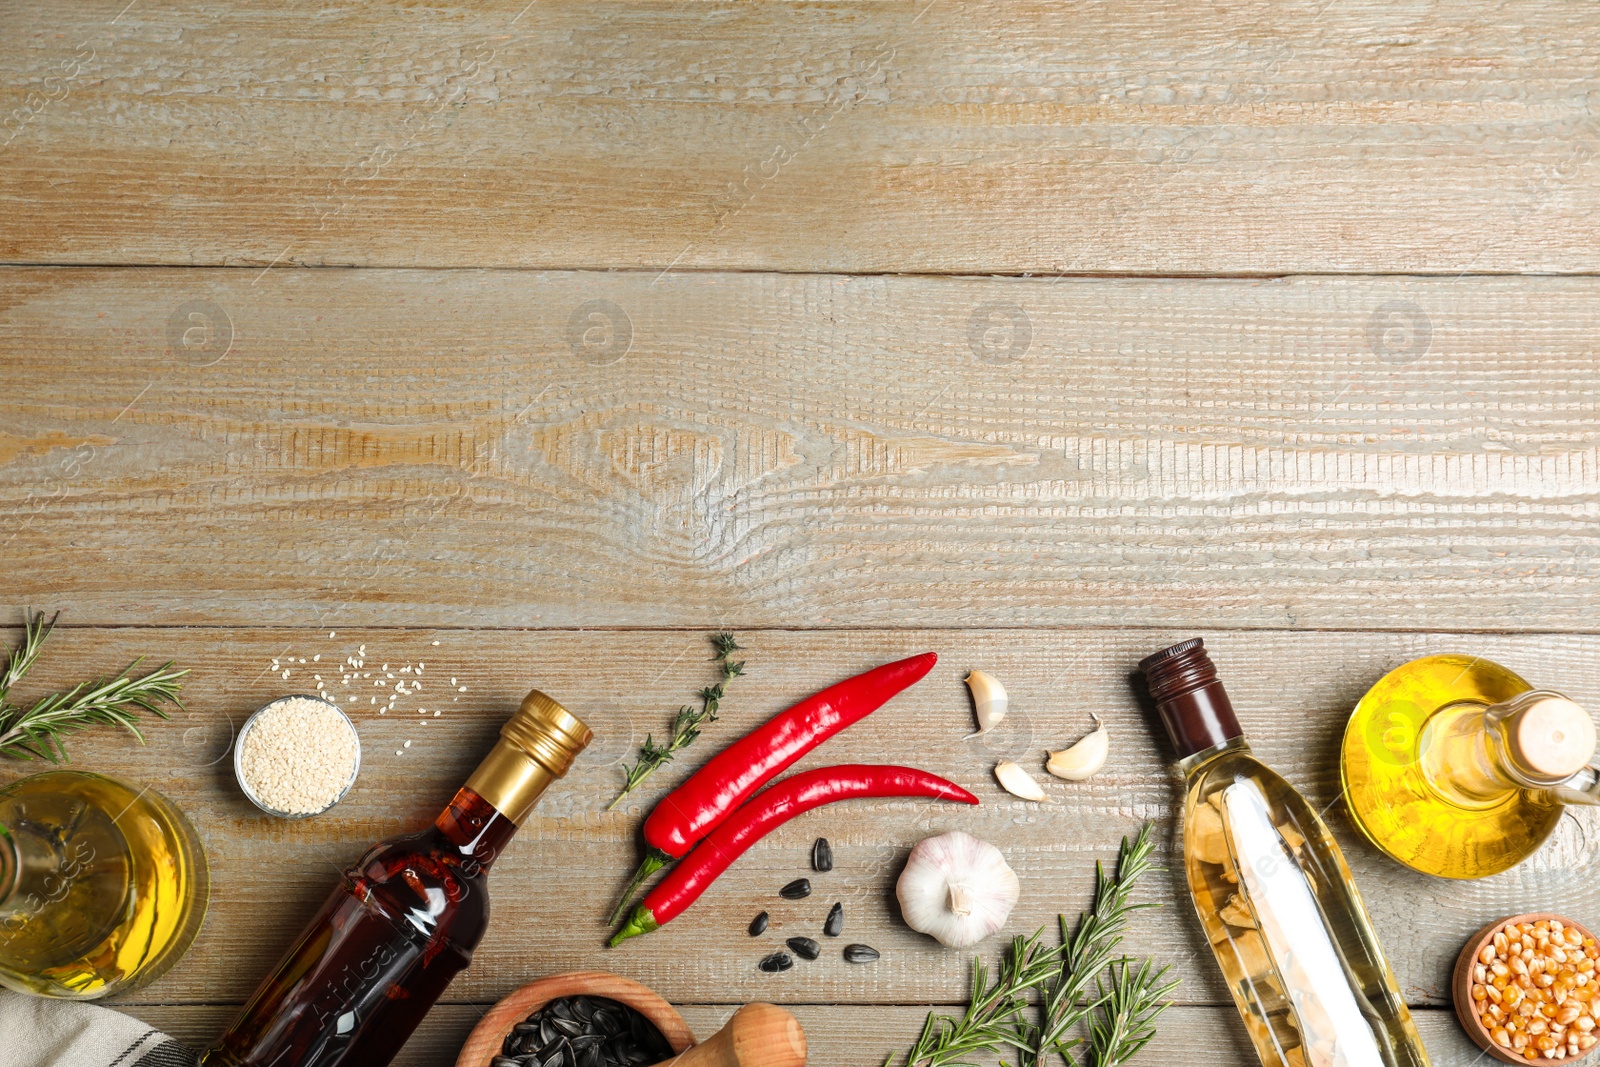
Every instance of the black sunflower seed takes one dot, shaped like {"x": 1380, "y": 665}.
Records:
{"x": 798, "y": 889}
{"x": 860, "y": 953}
{"x": 778, "y": 961}
{"x": 835, "y": 924}
{"x": 804, "y": 947}
{"x": 758, "y": 925}
{"x": 821, "y": 855}
{"x": 583, "y": 1032}
{"x": 504, "y": 1061}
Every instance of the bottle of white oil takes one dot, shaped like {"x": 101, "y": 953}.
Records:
{"x": 1274, "y": 895}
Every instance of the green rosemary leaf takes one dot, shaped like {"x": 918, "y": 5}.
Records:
{"x": 33, "y": 636}
{"x": 1129, "y": 1006}
{"x": 1086, "y": 951}
{"x": 38, "y": 730}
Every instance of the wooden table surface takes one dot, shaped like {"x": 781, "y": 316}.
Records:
{"x": 533, "y": 342}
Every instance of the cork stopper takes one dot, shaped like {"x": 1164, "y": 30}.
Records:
{"x": 1193, "y": 705}
{"x": 1548, "y": 736}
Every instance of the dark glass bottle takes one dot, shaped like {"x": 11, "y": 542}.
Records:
{"x": 404, "y": 920}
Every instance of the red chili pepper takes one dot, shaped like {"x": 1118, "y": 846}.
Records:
{"x": 693, "y": 810}
{"x": 791, "y": 797}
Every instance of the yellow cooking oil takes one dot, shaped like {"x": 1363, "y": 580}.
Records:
{"x": 1405, "y": 742}
{"x": 103, "y": 885}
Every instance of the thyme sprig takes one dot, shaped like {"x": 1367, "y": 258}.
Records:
{"x": 37, "y": 730}
{"x": 686, "y": 724}
{"x": 1121, "y": 1014}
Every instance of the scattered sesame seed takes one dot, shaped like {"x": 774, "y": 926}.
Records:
{"x": 408, "y": 744}
{"x": 436, "y": 642}
{"x": 332, "y": 634}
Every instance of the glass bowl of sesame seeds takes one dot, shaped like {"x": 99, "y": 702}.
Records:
{"x": 297, "y": 756}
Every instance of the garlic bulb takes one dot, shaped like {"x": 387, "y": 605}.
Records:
{"x": 1018, "y": 782}
{"x": 1084, "y": 758}
{"x": 988, "y": 699}
{"x": 957, "y": 889}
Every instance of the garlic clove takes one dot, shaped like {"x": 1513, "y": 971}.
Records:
{"x": 1018, "y": 782}
{"x": 957, "y": 889}
{"x": 1084, "y": 759}
{"x": 989, "y": 700}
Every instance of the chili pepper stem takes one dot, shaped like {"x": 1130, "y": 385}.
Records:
{"x": 653, "y": 861}
{"x": 640, "y": 922}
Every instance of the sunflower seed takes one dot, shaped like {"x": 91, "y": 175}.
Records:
{"x": 860, "y": 953}
{"x": 821, "y": 855}
{"x": 804, "y": 947}
{"x": 798, "y": 889}
{"x": 778, "y": 961}
{"x": 758, "y": 925}
{"x": 835, "y": 924}
{"x": 583, "y": 1032}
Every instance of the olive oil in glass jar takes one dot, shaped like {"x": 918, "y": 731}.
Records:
{"x": 1457, "y": 767}
{"x": 103, "y": 886}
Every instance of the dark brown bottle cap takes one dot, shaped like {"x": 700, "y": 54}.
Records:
{"x": 1193, "y": 705}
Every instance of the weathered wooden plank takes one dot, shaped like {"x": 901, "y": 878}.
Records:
{"x": 521, "y": 448}
{"x": 1307, "y": 136}
{"x": 847, "y": 1035}
{"x": 1293, "y": 691}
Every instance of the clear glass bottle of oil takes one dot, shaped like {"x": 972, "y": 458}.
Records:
{"x": 103, "y": 886}
{"x": 1274, "y": 896}
{"x": 1456, "y": 767}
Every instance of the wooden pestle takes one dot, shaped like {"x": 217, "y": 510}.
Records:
{"x": 758, "y": 1035}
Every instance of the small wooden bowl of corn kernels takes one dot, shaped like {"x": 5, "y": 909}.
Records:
{"x": 1527, "y": 989}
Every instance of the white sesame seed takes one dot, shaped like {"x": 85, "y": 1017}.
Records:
{"x": 298, "y": 756}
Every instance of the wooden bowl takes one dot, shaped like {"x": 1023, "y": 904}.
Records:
{"x": 1461, "y": 991}
{"x": 488, "y": 1037}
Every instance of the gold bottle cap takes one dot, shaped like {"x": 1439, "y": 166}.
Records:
{"x": 547, "y": 732}
{"x": 537, "y": 746}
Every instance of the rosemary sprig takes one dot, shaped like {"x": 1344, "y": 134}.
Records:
{"x": 990, "y": 1022}
{"x": 686, "y": 723}
{"x": 1087, "y": 951}
{"x": 37, "y": 731}
{"x": 995, "y": 1018}
{"x": 1126, "y": 1019}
